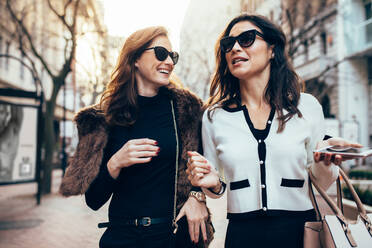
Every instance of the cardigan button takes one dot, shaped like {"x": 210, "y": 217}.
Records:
{"x": 263, "y": 186}
{"x": 269, "y": 122}
{"x": 261, "y": 162}
{"x": 264, "y": 208}
{"x": 259, "y": 141}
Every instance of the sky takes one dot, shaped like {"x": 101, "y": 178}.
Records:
{"x": 123, "y": 17}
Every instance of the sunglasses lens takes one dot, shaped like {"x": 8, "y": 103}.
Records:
{"x": 174, "y": 57}
{"x": 247, "y": 38}
{"x": 161, "y": 53}
{"x": 227, "y": 44}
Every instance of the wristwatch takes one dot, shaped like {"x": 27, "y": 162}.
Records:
{"x": 200, "y": 196}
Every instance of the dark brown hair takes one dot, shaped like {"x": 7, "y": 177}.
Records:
{"x": 284, "y": 86}
{"x": 119, "y": 100}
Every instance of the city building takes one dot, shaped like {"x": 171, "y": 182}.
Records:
{"x": 52, "y": 41}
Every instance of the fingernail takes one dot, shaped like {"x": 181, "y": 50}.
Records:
{"x": 156, "y": 142}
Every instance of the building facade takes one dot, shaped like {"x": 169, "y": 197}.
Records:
{"x": 52, "y": 42}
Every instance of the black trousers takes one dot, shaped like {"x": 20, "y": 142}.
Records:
{"x": 267, "y": 231}
{"x": 153, "y": 236}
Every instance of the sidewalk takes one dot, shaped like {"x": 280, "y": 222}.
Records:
{"x": 67, "y": 222}
{"x": 64, "y": 222}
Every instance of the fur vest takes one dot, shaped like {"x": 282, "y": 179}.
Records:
{"x": 84, "y": 165}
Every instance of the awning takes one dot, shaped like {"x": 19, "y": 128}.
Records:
{"x": 21, "y": 97}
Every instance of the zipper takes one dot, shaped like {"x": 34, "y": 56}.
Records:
{"x": 174, "y": 224}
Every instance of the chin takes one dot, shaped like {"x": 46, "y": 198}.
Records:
{"x": 240, "y": 74}
{"x": 163, "y": 82}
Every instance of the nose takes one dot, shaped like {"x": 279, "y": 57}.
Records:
{"x": 168, "y": 60}
{"x": 236, "y": 47}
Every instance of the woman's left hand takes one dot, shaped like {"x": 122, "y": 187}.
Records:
{"x": 196, "y": 214}
{"x": 328, "y": 158}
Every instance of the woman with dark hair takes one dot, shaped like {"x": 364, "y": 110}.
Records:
{"x": 132, "y": 148}
{"x": 259, "y": 133}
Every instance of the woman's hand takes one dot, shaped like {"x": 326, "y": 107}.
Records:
{"x": 328, "y": 157}
{"x": 135, "y": 151}
{"x": 196, "y": 214}
{"x": 201, "y": 173}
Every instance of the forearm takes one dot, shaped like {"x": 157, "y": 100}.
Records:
{"x": 100, "y": 190}
{"x": 324, "y": 175}
{"x": 217, "y": 191}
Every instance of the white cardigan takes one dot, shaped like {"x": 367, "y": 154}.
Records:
{"x": 271, "y": 173}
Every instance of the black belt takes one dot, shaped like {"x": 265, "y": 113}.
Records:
{"x": 144, "y": 221}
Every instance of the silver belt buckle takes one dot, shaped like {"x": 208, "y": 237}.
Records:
{"x": 148, "y": 221}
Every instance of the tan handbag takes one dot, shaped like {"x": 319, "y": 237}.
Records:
{"x": 335, "y": 230}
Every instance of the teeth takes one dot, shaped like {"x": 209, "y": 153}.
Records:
{"x": 164, "y": 71}
{"x": 238, "y": 60}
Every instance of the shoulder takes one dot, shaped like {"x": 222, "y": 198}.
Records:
{"x": 309, "y": 103}
{"x": 311, "y": 108}
{"x": 183, "y": 96}
{"x": 89, "y": 119}
{"x": 186, "y": 101}
{"x": 212, "y": 113}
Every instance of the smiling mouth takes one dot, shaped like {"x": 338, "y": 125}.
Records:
{"x": 164, "y": 71}
{"x": 238, "y": 60}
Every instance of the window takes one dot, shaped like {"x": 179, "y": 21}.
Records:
{"x": 7, "y": 52}
{"x": 323, "y": 40}
{"x": 1, "y": 51}
{"x": 368, "y": 16}
{"x": 306, "y": 50}
{"x": 22, "y": 67}
{"x": 369, "y": 69}
{"x": 368, "y": 8}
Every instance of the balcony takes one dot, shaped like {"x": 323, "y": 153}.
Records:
{"x": 358, "y": 39}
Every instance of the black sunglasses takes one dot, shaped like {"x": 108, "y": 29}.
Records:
{"x": 245, "y": 39}
{"x": 162, "y": 53}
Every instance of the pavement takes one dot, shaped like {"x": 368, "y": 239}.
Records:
{"x": 61, "y": 222}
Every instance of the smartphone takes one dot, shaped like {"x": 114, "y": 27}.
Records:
{"x": 347, "y": 151}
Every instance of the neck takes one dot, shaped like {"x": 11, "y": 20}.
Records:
{"x": 146, "y": 89}
{"x": 252, "y": 90}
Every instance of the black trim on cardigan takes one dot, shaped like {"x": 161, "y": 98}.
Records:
{"x": 292, "y": 183}
{"x": 239, "y": 184}
{"x": 260, "y": 136}
{"x": 280, "y": 213}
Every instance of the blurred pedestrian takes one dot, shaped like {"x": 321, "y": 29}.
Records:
{"x": 133, "y": 148}
{"x": 259, "y": 133}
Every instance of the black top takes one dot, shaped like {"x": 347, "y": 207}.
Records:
{"x": 142, "y": 189}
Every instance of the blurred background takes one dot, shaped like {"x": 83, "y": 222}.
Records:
{"x": 56, "y": 57}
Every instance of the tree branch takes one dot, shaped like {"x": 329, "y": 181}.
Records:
{"x": 30, "y": 41}
{"x": 61, "y": 17}
{"x": 32, "y": 69}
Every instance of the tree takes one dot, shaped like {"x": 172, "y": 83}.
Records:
{"x": 94, "y": 77}
{"x": 64, "y": 30}
{"x": 197, "y": 67}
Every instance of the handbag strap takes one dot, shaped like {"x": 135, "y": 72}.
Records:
{"x": 361, "y": 210}
{"x": 337, "y": 211}
{"x": 339, "y": 195}
{"x": 315, "y": 203}
{"x": 174, "y": 223}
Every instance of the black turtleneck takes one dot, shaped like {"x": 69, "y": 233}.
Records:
{"x": 141, "y": 189}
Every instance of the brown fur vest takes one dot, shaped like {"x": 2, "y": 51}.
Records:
{"x": 93, "y": 135}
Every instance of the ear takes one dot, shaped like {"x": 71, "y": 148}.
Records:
{"x": 271, "y": 49}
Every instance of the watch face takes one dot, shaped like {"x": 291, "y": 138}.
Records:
{"x": 200, "y": 196}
